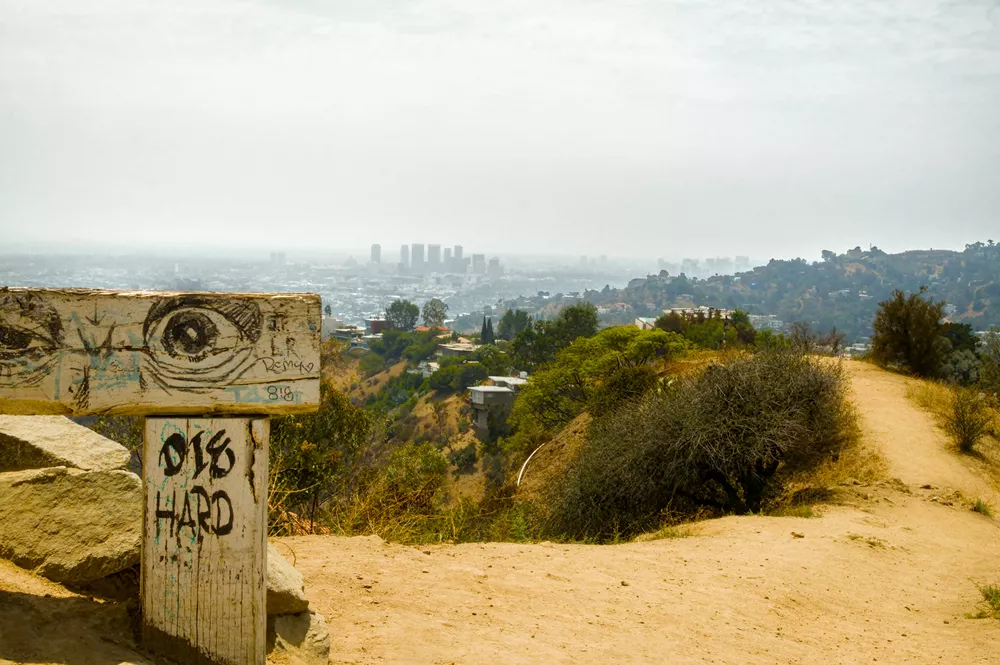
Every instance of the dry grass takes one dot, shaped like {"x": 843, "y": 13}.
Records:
{"x": 935, "y": 398}
{"x": 857, "y": 460}
{"x": 991, "y": 602}
{"x": 667, "y": 532}
{"x": 938, "y": 399}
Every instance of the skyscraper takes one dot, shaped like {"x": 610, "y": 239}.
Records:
{"x": 417, "y": 257}
{"x": 404, "y": 256}
{"x": 376, "y": 253}
{"x": 458, "y": 253}
{"x": 433, "y": 258}
{"x": 447, "y": 260}
{"x": 478, "y": 264}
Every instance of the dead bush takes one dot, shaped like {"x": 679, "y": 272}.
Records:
{"x": 722, "y": 440}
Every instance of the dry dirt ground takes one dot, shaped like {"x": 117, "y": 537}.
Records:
{"x": 886, "y": 576}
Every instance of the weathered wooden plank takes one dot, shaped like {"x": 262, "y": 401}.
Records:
{"x": 83, "y": 352}
{"x": 204, "y": 547}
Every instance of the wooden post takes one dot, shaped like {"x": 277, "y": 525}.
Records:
{"x": 204, "y": 539}
{"x": 186, "y": 356}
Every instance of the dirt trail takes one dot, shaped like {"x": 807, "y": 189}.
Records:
{"x": 918, "y": 452}
{"x": 888, "y": 577}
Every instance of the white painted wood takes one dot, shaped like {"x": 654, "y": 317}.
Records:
{"x": 83, "y": 352}
{"x": 203, "y": 565}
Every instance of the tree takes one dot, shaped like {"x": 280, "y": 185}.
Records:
{"x": 908, "y": 332}
{"x": 486, "y": 335}
{"x": 402, "y": 315}
{"x": 312, "y": 456}
{"x": 328, "y": 310}
{"x": 494, "y": 361}
{"x": 598, "y": 373}
{"x": 540, "y": 343}
{"x": 435, "y": 311}
{"x": 512, "y": 323}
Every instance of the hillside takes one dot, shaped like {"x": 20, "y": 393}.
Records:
{"x": 887, "y": 573}
{"x": 842, "y": 291}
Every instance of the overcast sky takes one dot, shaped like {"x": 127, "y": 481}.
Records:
{"x": 622, "y": 127}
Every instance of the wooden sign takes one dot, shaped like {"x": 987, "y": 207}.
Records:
{"x": 83, "y": 352}
{"x": 204, "y": 554}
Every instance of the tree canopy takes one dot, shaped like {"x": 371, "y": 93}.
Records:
{"x": 513, "y": 322}
{"x": 435, "y": 311}
{"x": 539, "y": 344}
{"x": 596, "y": 373}
{"x": 402, "y": 315}
{"x": 908, "y": 331}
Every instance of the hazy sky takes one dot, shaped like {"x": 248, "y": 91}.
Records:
{"x": 624, "y": 127}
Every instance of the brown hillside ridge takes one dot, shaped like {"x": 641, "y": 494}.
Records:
{"x": 888, "y": 574}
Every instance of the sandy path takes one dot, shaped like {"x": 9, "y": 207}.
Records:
{"x": 917, "y": 451}
{"x": 892, "y": 584}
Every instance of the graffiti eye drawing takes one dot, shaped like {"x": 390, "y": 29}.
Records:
{"x": 200, "y": 339}
{"x": 31, "y": 333}
{"x": 17, "y": 341}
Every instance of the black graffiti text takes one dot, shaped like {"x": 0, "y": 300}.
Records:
{"x": 278, "y": 366}
{"x": 175, "y": 449}
{"x": 197, "y": 510}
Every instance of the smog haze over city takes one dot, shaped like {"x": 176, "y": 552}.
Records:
{"x": 649, "y": 129}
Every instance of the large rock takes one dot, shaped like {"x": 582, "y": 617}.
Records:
{"x": 69, "y": 525}
{"x": 303, "y": 636}
{"x": 286, "y": 590}
{"x": 38, "y": 442}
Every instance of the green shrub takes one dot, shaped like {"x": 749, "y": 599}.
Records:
{"x": 371, "y": 363}
{"x": 991, "y": 602}
{"x": 969, "y": 420}
{"x": 907, "y": 331}
{"x": 719, "y": 441}
{"x": 464, "y": 459}
{"x": 983, "y": 508}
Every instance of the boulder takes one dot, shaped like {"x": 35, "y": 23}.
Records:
{"x": 303, "y": 636}
{"x": 38, "y": 442}
{"x": 68, "y": 525}
{"x": 286, "y": 590}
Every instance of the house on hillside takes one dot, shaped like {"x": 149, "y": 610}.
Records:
{"x": 490, "y": 407}
{"x": 645, "y": 322}
{"x": 457, "y": 350}
{"x": 376, "y": 326}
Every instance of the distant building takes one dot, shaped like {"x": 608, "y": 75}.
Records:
{"x": 434, "y": 258}
{"x": 457, "y": 350}
{"x": 277, "y": 259}
{"x": 512, "y": 382}
{"x": 376, "y": 325}
{"x": 447, "y": 259}
{"x": 376, "y": 254}
{"x": 458, "y": 253}
{"x": 404, "y": 256}
{"x": 478, "y": 264}
{"x": 494, "y": 269}
{"x": 330, "y": 325}
{"x": 490, "y": 403}
{"x": 417, "y": 257}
